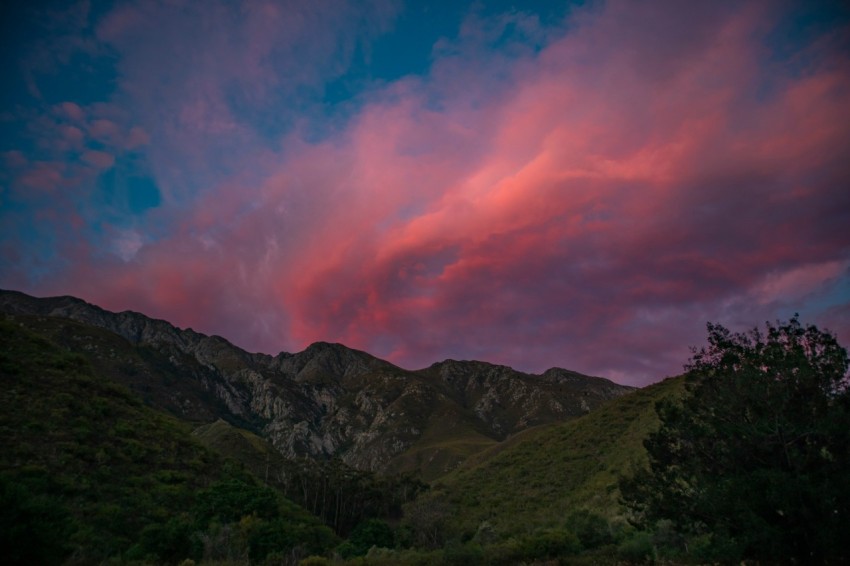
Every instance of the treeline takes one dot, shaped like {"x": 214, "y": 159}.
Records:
{"x": 234, "y": 520}
{"x": 342, "y": 496}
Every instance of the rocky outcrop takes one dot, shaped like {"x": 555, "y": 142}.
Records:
{"x": 330, "y": 400}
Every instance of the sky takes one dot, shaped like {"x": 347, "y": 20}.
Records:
{"x": 573, "y": 184}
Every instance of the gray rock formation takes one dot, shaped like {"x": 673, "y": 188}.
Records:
{"x": 328, "y": 400}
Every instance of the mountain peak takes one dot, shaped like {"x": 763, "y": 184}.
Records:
{"x": 322, "y": 346}
{"x": 328, "y": 400}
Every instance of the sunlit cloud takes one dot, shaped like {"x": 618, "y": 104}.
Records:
{"x": 583, "y": 193}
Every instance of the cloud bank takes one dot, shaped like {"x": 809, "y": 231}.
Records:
{"x": 584, "y": 193}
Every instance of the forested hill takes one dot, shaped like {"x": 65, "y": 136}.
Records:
{"x": 88, "y": 472}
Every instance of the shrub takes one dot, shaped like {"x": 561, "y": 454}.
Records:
{"x": 33, "y": 527}
{"x": 463, "y": 554}
{"x": 369, "y": 533}
{"x": 637, "y": 548}
{"x": 592, "y": 530}
{"x": 550, "y": 543}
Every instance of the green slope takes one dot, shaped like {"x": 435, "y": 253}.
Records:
{"x": 443, "y": 446}
{"x": 537, "y": 478}
{"x": 342, "y": 496}
{"x": 88, "y": 472}
{"x": 241, "y": 445}
{"x": 170, "y": 381}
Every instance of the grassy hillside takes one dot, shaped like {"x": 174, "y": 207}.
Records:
{"x": 88, "y": 472}
{"x": 447, "y": 441}
{"x": 537, "y": 478}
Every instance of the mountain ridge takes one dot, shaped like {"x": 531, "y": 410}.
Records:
{"x": 63, "y": 310}
{"x": 327, "y": 400}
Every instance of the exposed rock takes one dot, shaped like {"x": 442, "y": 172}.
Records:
{"x": 329, "y": 400}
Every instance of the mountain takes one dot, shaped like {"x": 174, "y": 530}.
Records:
{"x": 326, "y": 401}
{"x": 90, "y": 474}
{"x": 542, "y": 475}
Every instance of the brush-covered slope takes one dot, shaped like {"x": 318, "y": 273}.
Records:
{"x": 328, "y": 401}
{"x": 178, "y": 384}
{"x": 241, "y": 445}
{"x": 537, "y": 478}
{"x": 88, "y": 472}
{"x": 340, "y": 495}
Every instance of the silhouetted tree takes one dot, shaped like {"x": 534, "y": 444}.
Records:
{"x": 754, "y": 461}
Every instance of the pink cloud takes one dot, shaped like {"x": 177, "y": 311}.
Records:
{"x": 72, "y": 112}
{"x": 589, "y": 206}
{"x": 794, "y": 284}
{"x": 137, "y": 137}
{"x": 42, "y": 176}
{"x": 196, "y": 95}
{"x": 72, "y": 136}
{"x": 98, "y": 159}
{"x": 104, "y": 130}
{"x": 14, "y": 159}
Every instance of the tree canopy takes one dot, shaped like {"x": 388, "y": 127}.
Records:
{"x": 753, "y": 461}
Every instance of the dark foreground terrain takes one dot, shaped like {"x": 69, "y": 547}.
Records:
{"x": 126, "y": 440}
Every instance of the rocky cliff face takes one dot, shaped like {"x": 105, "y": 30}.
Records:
{"x": 328, "y": 400}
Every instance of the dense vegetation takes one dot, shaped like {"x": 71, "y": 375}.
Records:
{"x": 340, "y": 495}
{"x": 744, "y": 457}
{"x": 539, "y": 481}
{"x": 88, "y": 472}
{"x": 754, "y": 463}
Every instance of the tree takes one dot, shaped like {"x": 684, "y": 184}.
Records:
{"x": 755, "y": 459}
{"x": 34, "y": 526}
{"x": 369, "y": 533}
